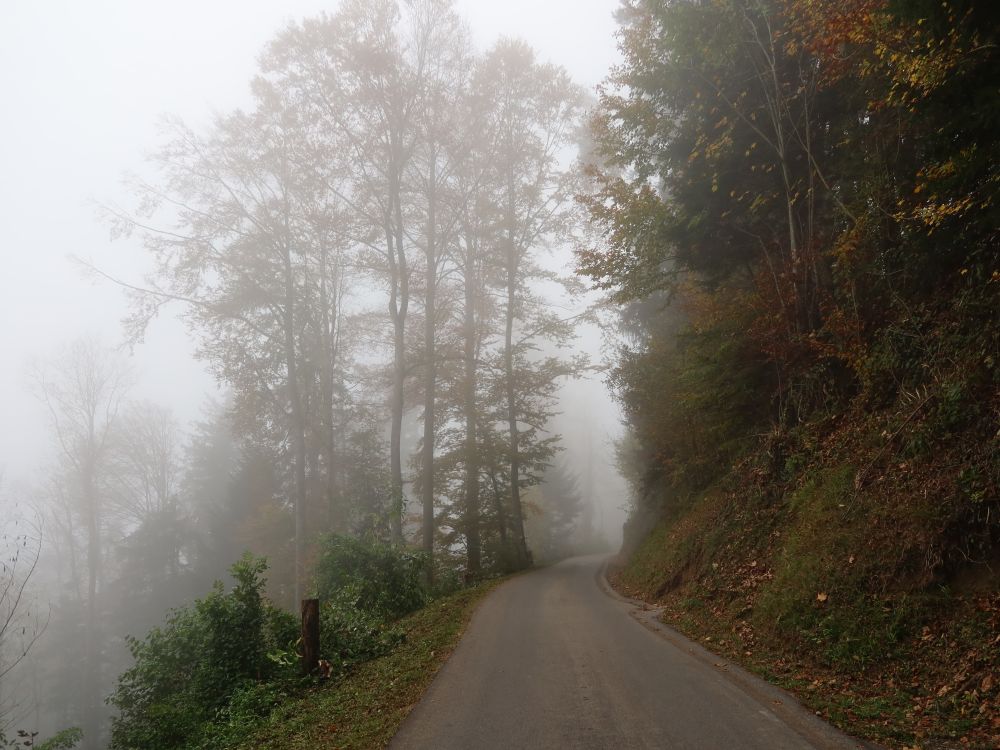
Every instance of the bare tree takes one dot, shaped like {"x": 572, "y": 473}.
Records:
{"x": 21, "y": 619}
{"x": 144, "y": 464}
{"x": 83, "y": 389}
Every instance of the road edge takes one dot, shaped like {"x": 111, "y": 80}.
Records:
{"x": 782, "y": 703}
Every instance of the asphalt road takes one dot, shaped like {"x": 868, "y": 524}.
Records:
{"x": 552, "y": 659}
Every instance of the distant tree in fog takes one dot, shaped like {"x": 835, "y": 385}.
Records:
{"x": 145, "y": 468}
{"x": 537, "y": 109}
{"x": 21, "y": 619}
{"x": 83, "y": 389}
{"x": 557, "y": 509}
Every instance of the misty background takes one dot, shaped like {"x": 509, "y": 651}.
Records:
{"x": 84, "y": 86}
{"x": 85, "y": 90}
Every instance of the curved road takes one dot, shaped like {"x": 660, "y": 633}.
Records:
{"x": 552, "y": 659}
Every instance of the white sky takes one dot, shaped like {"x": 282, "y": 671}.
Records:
{"x": 82, "y": 84}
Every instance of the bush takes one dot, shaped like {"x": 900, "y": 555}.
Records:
{"x": 375, "y": 578}
{"x": 349, "y": 635}
{"x": 238, "y": 720}
{"x": 187, "y": 672}
{"x": 218, "y": 667}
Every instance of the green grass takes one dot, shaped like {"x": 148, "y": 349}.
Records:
{"x": 364, "y": 708}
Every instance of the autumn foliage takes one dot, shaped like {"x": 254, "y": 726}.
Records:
{"x": 797, "y": 204}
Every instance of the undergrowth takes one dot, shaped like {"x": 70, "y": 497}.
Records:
{"x": 836, "y": 577}
{"x": 226, "y": 669}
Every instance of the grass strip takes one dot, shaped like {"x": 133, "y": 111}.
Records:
{"x": 365, "y": 707}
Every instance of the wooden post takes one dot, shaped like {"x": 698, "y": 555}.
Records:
{"x": 310, "y": 636}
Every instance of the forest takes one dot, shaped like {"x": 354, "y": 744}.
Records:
{"x": 367, "y": 260}
{"x": 799, "y": 202}
{"x": 782, "y": 218}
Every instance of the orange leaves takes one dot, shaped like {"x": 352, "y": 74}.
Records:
{"x": 828, "y": 31}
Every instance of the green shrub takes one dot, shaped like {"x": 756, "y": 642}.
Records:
{"x": 188, "y": 671}
{"x": 238, "y": 720}
{"x": 372, "y": 577}
{"x": 349, "y": 634}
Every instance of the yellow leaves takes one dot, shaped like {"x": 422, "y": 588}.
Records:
{"x": 822, "y": 597}
{"x": 918, "y": 62}
{"x": 933, "y": 214}
{"x": 944, "y": 169}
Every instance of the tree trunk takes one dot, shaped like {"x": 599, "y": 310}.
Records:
{"x": 498, "y": 509}
{"x": 327, "y": 380}
{"x": 310, "y": 636}
{"x": 520, "y": 546}
{"x": 473, "y": 541}
{"x": 93, "y": 687}
{"x": 430, "y": 374}
{"x": 298, "y": 427}
{"x": 398, "y": 305}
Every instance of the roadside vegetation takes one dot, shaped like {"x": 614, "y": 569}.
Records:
{"x": 225, "y": 672}
{"x": 799, "y": 204}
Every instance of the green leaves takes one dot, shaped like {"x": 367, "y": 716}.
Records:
{"x": 371, "y": 577}
{"x": 188, "y": 670}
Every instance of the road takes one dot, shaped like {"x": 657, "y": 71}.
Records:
{"x": 552, "y": 659}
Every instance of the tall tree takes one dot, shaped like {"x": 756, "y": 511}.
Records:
{"x": 234, "y": 249}
{"x": 83, "y": 389}
{"x": 358, "y": 75}
{"x": 21, "y": 621}
{"x": 537, "y": 111}
{"x": 439, "y": 149}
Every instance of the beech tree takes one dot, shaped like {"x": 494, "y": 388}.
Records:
{"x": 537, "y": 111}
{"x": 438, "y": 154}
{"x": 357, "y": 76}
{"x": 379, "y": 157}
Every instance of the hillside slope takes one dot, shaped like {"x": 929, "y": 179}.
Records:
{"x": 843, "y": 580}
{"x": 795, "y": 208}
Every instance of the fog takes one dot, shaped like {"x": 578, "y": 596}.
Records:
{"x": 84, "y": 85}
{"x": 86, "y": 88}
